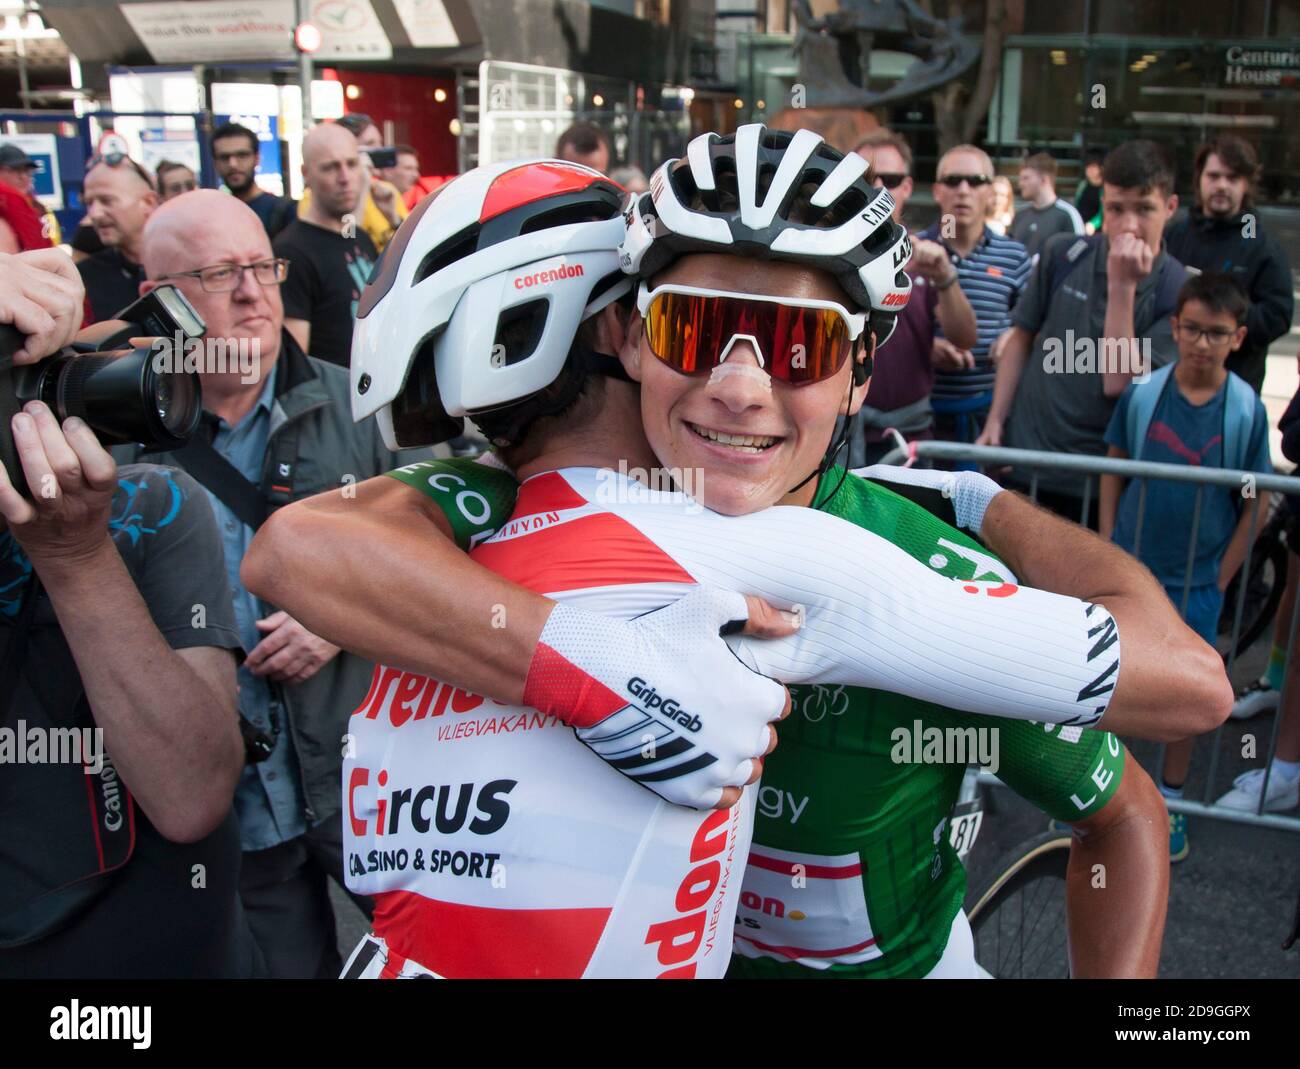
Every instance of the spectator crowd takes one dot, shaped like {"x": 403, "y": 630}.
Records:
{"x": 1114, "y": 322}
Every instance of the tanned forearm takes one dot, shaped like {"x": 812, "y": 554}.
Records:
{"x": 1171, "y": 684}
{"x": 172, "y": 734}
{"x": 1117, "y": 886}
{"x": 427, "y": 607}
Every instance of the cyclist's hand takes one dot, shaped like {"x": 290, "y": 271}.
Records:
{"x": 662, "y": 698}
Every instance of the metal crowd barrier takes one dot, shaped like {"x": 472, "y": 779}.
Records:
{"x": 1089, "y": 469}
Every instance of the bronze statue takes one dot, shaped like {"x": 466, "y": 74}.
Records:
{"x": 834, "y": 51}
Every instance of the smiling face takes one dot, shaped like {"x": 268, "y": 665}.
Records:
{"x": 753, "y": 444}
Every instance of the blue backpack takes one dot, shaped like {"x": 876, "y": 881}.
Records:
{"x": 1238, "y": 415}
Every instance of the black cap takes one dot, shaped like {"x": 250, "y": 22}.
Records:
{"x": 13, "y": 157}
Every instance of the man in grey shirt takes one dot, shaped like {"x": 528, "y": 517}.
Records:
{"x": 1046, "y": 213}
{"x": 1095, "y": 314}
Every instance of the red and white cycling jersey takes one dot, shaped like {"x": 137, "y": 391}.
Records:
{"x": 497, "y": 845}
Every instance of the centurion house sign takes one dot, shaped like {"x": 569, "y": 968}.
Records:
{"x": 1247, "y": 66}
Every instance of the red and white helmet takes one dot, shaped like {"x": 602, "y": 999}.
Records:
{"x": 532, "y": 247}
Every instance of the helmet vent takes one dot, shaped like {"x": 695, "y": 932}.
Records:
{"x": 519, "y": 330}
{"x": 455, "y": 248}
{"x": 565, "y": 215}
{"x": 850, "y": 203}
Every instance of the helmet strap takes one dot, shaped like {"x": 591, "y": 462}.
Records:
{"x": 838, "y": 442}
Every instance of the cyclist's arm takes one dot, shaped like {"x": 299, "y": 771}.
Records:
{"x": 1117, "y": 885}
{"x": 877, "y": 618}
{"x": 1172, "y": 684}
{"x": 379, "y": 574}
{"x": 1118, "y": 875}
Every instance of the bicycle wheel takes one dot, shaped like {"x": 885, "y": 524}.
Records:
{"x": 1018, "y": 916}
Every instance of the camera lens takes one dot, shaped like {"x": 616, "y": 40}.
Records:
{"x": 175, "y": 398}
{"x": 125, "y": 398}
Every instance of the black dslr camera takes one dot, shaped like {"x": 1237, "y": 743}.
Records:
{"x": 124, "y": 396}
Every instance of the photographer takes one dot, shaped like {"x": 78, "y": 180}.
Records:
{"x": 119, "y": 744}
{"x": 277, "y": 427}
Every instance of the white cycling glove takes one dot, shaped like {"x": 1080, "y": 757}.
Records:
{"x": 660, "y": 698}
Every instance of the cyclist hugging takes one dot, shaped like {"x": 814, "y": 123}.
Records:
{"x": 555, "y": 771}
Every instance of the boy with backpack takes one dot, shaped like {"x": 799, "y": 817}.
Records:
{"x": 1192, "y": 412}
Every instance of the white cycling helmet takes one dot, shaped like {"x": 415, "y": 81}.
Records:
{"x": 476, "y": 301}
{"x": 774, "y": 195}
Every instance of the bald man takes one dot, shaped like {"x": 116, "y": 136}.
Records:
{"x": 330, "y": 253}
{"x": 282, "y": 421}
{"x": 119, "y": 200}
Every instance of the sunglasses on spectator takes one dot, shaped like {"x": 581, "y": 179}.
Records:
{"x": 1216, "y": 336}
{"x": 116, "y": 159}
{"x": 888, "y": 179}
{"x": 954, "y": 181}
{"x": 692, "y": 330}
{"x": 226, "y": 278}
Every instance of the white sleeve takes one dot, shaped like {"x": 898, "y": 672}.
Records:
{"x": 1076, "y": 220}
{"x": 874, "y": 617}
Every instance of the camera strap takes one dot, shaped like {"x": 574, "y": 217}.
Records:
{"x": 250, "y": 503}
{"x": 200, "y": 459}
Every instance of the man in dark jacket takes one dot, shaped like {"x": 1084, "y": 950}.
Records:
{"x": 282, "y": 421}
{"x": 1222, "y": 232}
